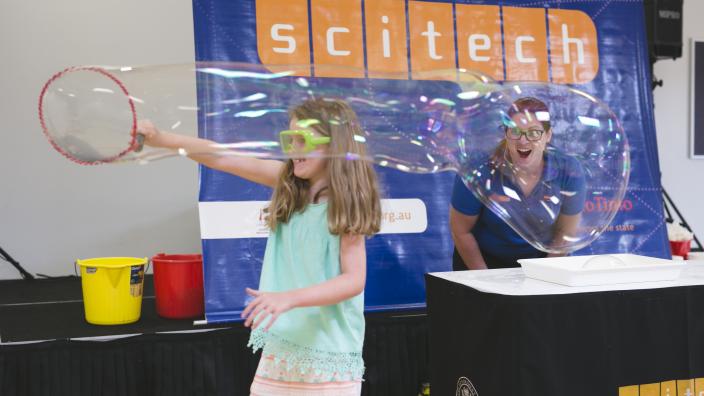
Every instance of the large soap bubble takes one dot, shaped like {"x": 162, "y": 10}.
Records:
{"x": 557, "y": 165}
{"x": 90, "y": 113}
{"x": 550, "y": 160}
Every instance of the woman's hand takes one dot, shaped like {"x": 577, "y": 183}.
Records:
{"x": 265, "y": 304}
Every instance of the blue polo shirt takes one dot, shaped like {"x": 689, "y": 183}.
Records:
{"x": 561, "y": 190}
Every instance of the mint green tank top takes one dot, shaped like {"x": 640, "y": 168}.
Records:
{"x": 327, "y": 340}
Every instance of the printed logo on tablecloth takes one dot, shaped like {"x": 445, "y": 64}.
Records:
{"x": 683, "y": 387}
{"x": 465, "y": 388}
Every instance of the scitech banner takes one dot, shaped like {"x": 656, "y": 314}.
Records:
{"x": 596, "y": 46}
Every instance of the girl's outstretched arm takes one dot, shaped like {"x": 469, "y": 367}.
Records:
{"x": 260, "y": 171}
{"x": 350, "y": 282}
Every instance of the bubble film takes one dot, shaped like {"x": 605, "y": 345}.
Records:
{"x": 90, "y": 113}
{"x": 557, "y": 165}
{"x": 550, "y": 160}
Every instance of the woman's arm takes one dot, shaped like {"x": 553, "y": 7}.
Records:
{"x": 350, "y": 282}
{"x": 574, "y": 193}
{"x": 260, "y": 171}
{"x": 461, "y": 229}
{"x": 564, "y": 230}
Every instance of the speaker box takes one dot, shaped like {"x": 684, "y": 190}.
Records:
{"x": 663, "y": 21}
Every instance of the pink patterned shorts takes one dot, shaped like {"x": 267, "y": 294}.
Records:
{"x": 274, "y": 379}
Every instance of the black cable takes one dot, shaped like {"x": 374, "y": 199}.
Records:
{"x": 45, "y": 276}
{"x": 5, "y": 256}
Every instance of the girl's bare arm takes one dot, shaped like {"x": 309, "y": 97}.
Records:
{"x": 204, "y": 151}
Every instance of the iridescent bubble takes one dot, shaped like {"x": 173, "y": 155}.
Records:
{"x": 90, "y": 113}
{"x": 557, "y": 165}
{"x": 550, "y": 160}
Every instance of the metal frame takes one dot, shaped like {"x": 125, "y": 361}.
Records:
{"x": 692, "y": 96}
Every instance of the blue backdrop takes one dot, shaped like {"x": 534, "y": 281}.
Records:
{"x": 226, "y": 30}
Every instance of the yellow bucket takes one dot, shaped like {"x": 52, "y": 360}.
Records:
{"x": 112, "y": 289}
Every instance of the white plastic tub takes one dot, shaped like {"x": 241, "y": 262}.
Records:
{"x": 601, "y": 269}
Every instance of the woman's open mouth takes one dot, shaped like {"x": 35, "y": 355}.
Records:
{"x": 524, "y": 153}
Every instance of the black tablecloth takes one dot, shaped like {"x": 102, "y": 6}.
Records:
{"x": 48, "y": 309}
{"x": 605, "y": 343}
{"x": 215, "y": 362}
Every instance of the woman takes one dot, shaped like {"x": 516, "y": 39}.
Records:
{"x": 547, "y": 187}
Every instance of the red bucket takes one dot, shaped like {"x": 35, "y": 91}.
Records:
{"x": 680, "y": 248}
{"x": 178, "y": 285}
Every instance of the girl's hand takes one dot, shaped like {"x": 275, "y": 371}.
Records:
{"x": 147, "y": 129}
{"x": 265, "y": 304}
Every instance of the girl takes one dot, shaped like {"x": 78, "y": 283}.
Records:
{"x": 308, "y": 312}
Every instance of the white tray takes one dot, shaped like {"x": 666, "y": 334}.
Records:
{"x": 571, "y": 271}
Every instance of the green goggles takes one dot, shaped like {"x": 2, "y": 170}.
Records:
{"x": 300, "y": 141}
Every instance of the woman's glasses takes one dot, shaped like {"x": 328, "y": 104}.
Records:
{"x": 300, "y": 141}
{"x": 515, "y": 133}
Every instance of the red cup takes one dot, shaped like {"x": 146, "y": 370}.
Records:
{"x": 680, "y": 248}
{"x": 178, "y": 285}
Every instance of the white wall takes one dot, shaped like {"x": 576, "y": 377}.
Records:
{"x": 682, "y": 177}
{"x": 53, "y": 211}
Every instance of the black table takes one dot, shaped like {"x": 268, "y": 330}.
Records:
{"x": 612, "y": 342}
{"x": 47, "y": 348}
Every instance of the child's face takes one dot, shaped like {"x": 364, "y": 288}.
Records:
{"x": 313, "y": 167}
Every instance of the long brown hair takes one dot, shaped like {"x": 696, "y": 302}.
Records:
{"x": 353, "y": 194}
